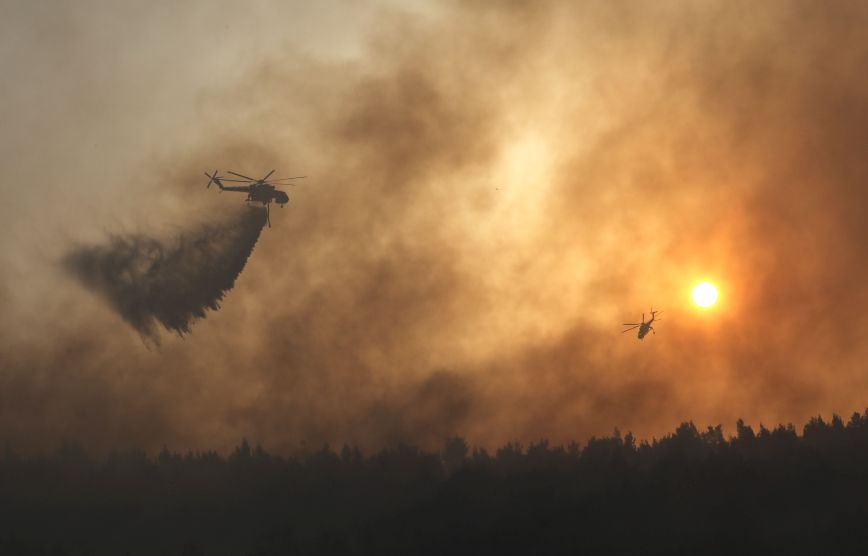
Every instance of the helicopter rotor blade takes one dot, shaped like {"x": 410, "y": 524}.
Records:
{"x": 632, "y": 324}
{"x": 292, "y": 178}
{"x": 629, "y": 329}
{"x": 241, "y": 175}
{"x": 267, "y": 175}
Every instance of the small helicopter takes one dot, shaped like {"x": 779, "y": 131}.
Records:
{"x": 258, "y": 191}
{"x": 643, "y": 326}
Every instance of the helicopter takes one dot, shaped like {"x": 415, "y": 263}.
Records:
{"x": 643, "y": 326}
{"x": 258, "y": 191}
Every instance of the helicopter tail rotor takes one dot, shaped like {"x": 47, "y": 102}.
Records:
{"x": 214, "y": 179}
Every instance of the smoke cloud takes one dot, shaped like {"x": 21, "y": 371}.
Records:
{"x": 493, "y": 188}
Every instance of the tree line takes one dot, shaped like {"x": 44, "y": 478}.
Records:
{"x": 693, "y": 491}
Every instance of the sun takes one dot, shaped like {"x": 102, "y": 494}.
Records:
{"x": 704, "y": 294}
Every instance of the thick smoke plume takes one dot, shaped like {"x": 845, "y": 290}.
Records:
{"x": 493, "y": 188}
{"x": 149, "y": 281}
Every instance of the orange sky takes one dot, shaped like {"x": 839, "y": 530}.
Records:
{"x": 493, "y": 190}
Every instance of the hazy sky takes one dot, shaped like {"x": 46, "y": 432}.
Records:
{"x": 494, "y": 188}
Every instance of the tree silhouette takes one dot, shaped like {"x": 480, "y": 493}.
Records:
{"x": 694, "y": 491}
{"x": 455, "y": 453}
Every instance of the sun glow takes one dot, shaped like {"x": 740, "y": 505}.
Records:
{"x": 704, "y": 294}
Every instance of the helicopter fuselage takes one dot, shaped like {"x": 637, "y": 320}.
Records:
{"x": 646, "y": 327}
{"x": 265, "y": 193}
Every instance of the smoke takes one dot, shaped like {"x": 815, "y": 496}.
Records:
{"x": 493, "y": 188}
{"x": 150, "y": 281}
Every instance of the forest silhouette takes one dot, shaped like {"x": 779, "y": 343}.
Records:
{"x": 692, "y": 491}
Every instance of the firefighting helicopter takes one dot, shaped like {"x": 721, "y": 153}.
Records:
{"x": 643, "y": 326}
{"x": 258, "y": 191}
